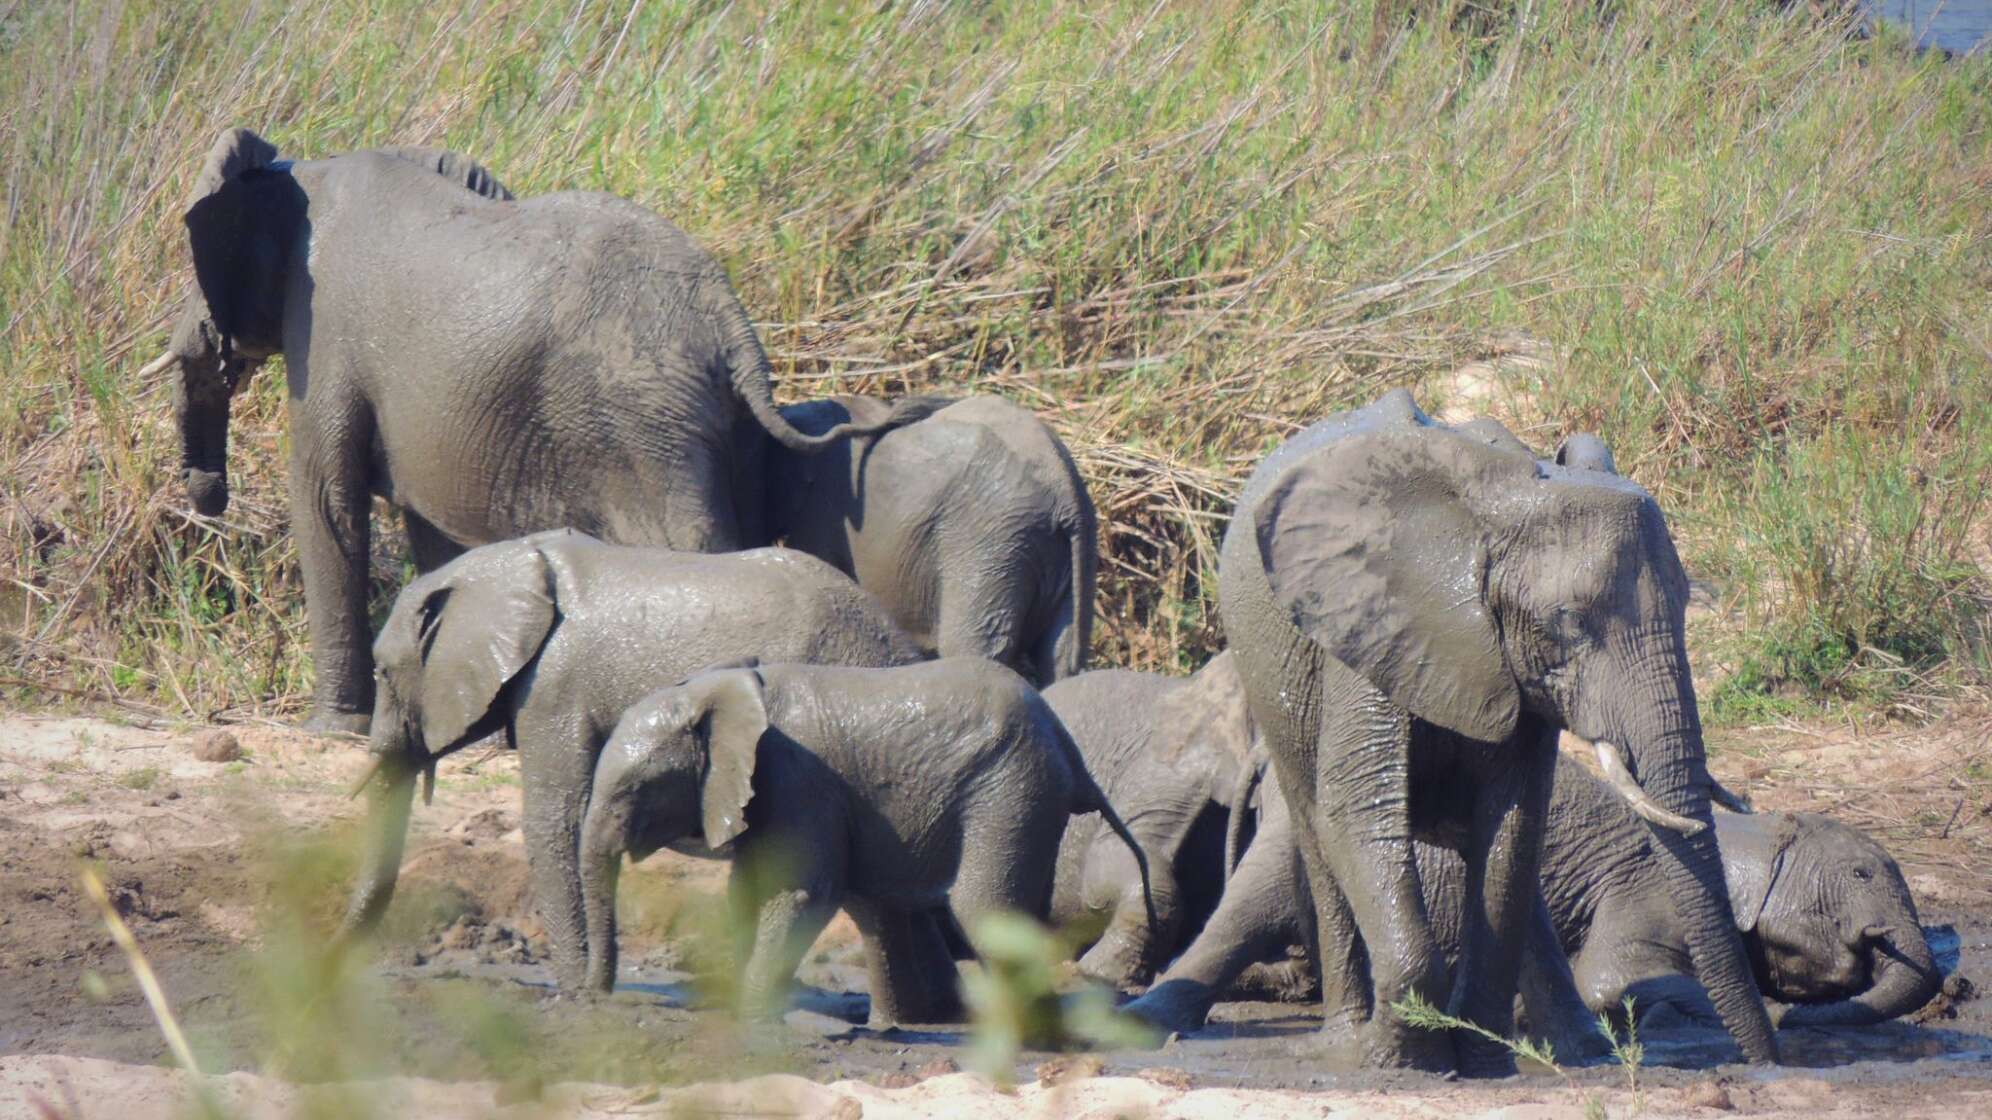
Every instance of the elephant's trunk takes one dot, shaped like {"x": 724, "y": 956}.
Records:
{"x": 200, "y": 402}
{"x": 390, "y": 796}
{"x": 602, "y": 849}
{"x": 1662, "y": 735}
{"x": 1905, "y": 977}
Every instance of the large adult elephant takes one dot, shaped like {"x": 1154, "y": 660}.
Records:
{"x": 492, "y": 368}
{"x": 1417, "y": 613}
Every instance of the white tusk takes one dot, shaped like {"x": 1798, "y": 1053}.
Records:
{"x": 1627, "y": 787}
{"x": 155, "y": 365}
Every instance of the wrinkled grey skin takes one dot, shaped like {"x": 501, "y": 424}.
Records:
{"x": 548, "y": 639}
{"x": 972, "y": 526}
{"x": 888, "y": 792}
{"x": 1417, "y": 613}
{"x": 490, "y": 367}
{"x": 1169, "y": 753}
{"x": 1824, "y": 912}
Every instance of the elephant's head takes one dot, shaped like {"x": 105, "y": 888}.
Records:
{"x": 680, "y": 763}
{"x": 456, "y": 639}
{"x": 1473, "y": 586}
{"x": 1829, "y": 918}
{"x": 243, "y": 221}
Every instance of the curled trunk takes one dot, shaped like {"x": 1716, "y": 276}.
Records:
{"x": 1905, "y": 977}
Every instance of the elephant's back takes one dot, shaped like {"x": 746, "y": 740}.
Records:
{"x": 1108, "y": 713}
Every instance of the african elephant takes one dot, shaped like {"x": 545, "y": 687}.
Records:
{"x": 888, "y": 792}
{"x": 1168, "y": 752}
{"x": 1823, "y": 910}
{"x": 972, "y": 526}
{"x": 490, "y": 367}
{"x": 1417, "y": 613}
{"x": 548, "y": 639}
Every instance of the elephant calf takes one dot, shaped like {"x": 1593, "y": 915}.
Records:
{"x": 1168, "y": 752}
{"x": 972, "y": 526}
{"x": 888, "y": 792}
{"x": 548, "y": 639}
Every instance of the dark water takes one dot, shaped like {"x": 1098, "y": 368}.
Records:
{"x": 1953, "y": 25}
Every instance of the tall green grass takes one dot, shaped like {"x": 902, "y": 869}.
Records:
{"x": 1754, "y": 248}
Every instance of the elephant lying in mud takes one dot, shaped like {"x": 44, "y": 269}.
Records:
{"x": 972, "y": 526}
{"x": 548, "y": 639}
{"x": 1823, "y": 909}
{"x": 491, "y": 368}
{"x": 888, "y": 792}
{"x": 1417, "y": 614}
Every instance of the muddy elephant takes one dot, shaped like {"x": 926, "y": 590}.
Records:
{"x": 490, "y": 367}
{"x": 1823, "y": 910}
{"x": 1169, "y": 752}
{"x": 1417, "y": 613}
{"x": 972, "y": 526}
{"x": 547, "y": 640}
{"x": 891, "y": 793}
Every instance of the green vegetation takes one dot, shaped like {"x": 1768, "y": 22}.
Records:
{"x": 1751, "y": 252}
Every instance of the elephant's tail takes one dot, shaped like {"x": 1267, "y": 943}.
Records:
{"x": 1091, "y": 799}
{"x": 1249, "y": 777}
{"x": 753, "y": 380}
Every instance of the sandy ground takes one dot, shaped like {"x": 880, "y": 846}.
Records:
{"x": 214, "y": 864}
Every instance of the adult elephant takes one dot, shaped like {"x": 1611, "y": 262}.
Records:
{"x": 1417, "y": 613}
{"x": 491, "y": 368}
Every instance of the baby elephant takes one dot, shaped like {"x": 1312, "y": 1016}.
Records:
{"x": 971, "y": 526}
{"x": 888, "y": 792}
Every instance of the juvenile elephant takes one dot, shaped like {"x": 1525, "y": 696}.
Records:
{"x": 1417, "y": 613}
{"x": 491, "y": 368}
{"x": 972, "y": 526}
{"x": 1169, "y": 753}
{"x": 548, "y": 639}
{"x": 1823, "y": 910}
{"x": 888, "y": 792}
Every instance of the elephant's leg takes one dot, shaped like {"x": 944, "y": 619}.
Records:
{"x": 329, "y": 508}
{"x": 1361, "y": 818}
{"x": 1059, "y": 651}
{"x": 556, "y": 766}
{"x": 427, "y": 546}
{"x": 1259, "y": 915}
{"x": 913, "y": 977}
{"x": 1345, "y": 978}
{"x": 982, "y": 612}
{"x": 1129, "y": 949}
{"x": 1555, "y": 1010}
{"x": 787, "y": 924}
{"x": 1502, "y": 857}
{"x": 701, "y": 511}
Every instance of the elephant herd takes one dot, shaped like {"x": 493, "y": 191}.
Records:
{"x": 1363, "y": 797}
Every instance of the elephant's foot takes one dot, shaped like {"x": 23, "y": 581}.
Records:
{"x": 1116, "y": 960}
{"x": 942, "y": 1007}
{"x": 330, "y": 721}
{"x": 1482, "y": 1057}
{"x": 1181, "y": 1006}
{"x": 1386, "y": 1043}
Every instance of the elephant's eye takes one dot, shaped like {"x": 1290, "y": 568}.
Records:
{"x": 1566, "y": 624}
{"x": 1863, "y": 874}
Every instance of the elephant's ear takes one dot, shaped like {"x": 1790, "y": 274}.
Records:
{"x": 1373, "y": 547}
{"x": 733, "y": 715}
{"x": 235, "y": 151}
{"x": 1753, "y": 848}
{"x": 478, "y": 630}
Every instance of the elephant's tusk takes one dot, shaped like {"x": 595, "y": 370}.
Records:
{"x": 1643, "y": 805}
{"x": 155, "y": 365}
{"x": 372, "y": 768}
